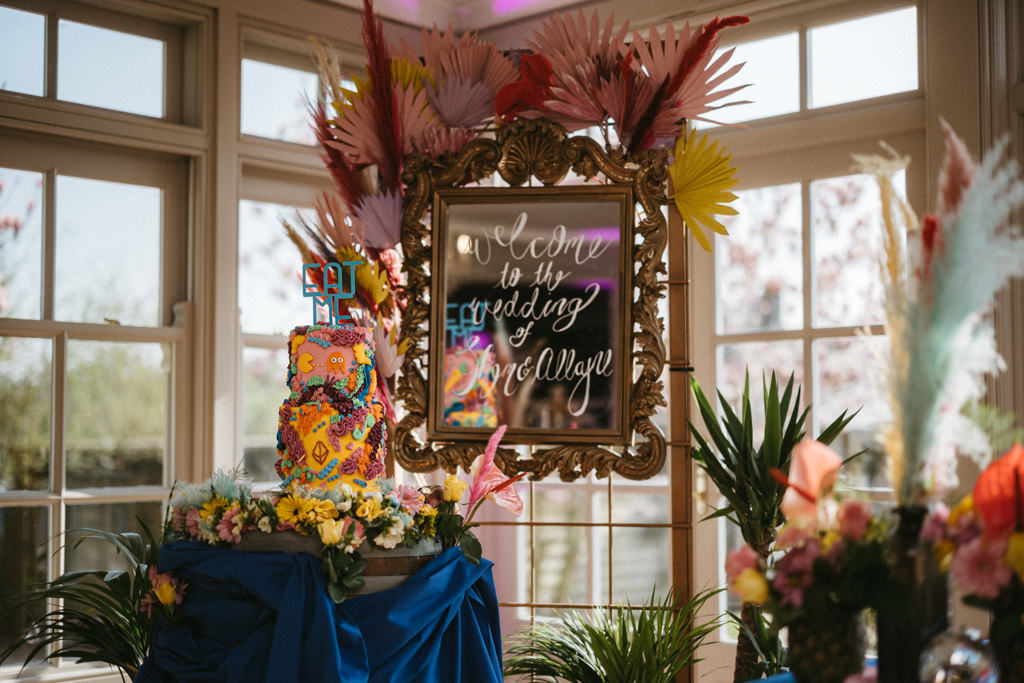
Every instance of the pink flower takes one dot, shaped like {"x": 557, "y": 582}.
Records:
{"x": 738, "y": 560}
{"x": 489, "y": 481}
{"x": 853, "y": 517}
{"x": 812, "y": 475}
{"x": 934, "y": 529}
{"x": 795, "y": 571}
{"x": 978, "y": 567}
{"x": 192, "y": 522}
{"x": 410, "y": 498}
{"x": 791, "y": 536}
{"x": 178, "y": 519}
{"x": 227, "y": 528}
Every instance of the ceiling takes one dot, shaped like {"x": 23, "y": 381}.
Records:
{"x": 463, "y": 14}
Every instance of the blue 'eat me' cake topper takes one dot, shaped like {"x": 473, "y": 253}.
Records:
{"x": 330, "y": 294}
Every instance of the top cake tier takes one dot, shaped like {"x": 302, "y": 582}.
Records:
{"x": 331, "y": 426}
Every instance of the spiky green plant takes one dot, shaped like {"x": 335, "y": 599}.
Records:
{"x": 95, "y": 616}
{"x": 741, "y": 472}
{"x": 649, "y": 644}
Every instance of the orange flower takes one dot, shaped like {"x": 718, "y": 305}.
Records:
{"x": 999, "y": 493}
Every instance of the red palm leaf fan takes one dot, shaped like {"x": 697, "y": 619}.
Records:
{"x": 998, "y": 494}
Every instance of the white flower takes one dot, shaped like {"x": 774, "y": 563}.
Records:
{"x": 344, "y": 505}
{"x": 264, "y": 525}
{"x": 393, "y": 536}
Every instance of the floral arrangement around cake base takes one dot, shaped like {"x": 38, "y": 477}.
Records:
{"x": 223, "y": 511}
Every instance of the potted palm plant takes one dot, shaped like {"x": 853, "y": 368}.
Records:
{"x": 742, "y": 473}
{"x": 649, "y": 644}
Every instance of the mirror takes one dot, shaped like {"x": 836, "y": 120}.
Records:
{"x": 533, "y": 307}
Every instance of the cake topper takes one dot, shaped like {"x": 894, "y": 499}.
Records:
{"x": 330, "y": 294}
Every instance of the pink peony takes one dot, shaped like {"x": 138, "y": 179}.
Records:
{"x": 853, "y": 517}
{"x": 978, "y": 567}
{"x": 738, "y": 560}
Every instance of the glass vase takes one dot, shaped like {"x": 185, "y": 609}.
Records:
{"x": 905, "y": 629}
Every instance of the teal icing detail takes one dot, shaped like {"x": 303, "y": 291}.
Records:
{"x": 339, "y": 385}
{"x": 316, "y": 381}
{"x": 335, "y": 419}
{"x": 370, "y": 421}
{"x": 358, "y": 434}
{"x": 317, "y": 340}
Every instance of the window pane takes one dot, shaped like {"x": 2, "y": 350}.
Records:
{"x": 566, "y": 502}
{"x": 563, "y": 564}
{"x": 25, "y": 413}
{"x": 21, "y": 243}
{"x": 117, "y": 413}
{"x": 108, "y": 252}
{"x": 116, "y": 517}
{"x": 641, "y": 556}
{"x": 760, "y": 358}
{"x": 758, "y": 267}
{"x": 847, "y": 379}
{"x": 22, "y": 51}
{"x": 772, "y": 69}
{"x": 274, "y": 101}
{"x": 263, "y": 390}
{"x": 110, "y": 69}
{"x": 862, "y": 58}
{"x": 847, "y": 239}
{"x": 269, "y": 270}
{"x": 23, "y": 559}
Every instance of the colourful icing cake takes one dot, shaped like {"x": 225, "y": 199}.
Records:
{"x": 469, "y": 389}
{"x": 331, "y": 427}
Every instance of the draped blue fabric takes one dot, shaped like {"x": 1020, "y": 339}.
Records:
{"x": 251, "y": 617}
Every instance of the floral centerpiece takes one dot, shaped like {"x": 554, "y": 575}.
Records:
{"x": 224, "y": 510}
{"x": 981, "y": 541}
{"x": 828, "y": 564}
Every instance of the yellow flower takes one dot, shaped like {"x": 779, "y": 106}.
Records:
{"x": 212, "y": 507}
{"x": 454, "y": 488}
{"x": 751, "y": 586}
{"x": 293, "y": 508}
{"x": 331, "y": 531}
{"x": 1014, "y": 556}
{"x": 369, "y": 509}
{"x": 322, "y": 510}
{"x": 427, "y": 510}
{"x": 964, "y": 507}
{"x": 943, "y": 551}
{"x": 829, "y": 539}
{"x": 701, "y": 178}
{"x": 165, "y": 593}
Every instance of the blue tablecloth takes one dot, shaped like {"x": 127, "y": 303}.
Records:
{"x": 251, "y": 617}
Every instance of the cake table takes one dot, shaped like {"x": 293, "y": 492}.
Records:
{"x": 266, "y": 616}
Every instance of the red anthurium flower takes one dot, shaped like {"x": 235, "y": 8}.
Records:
{"x": 998, "y": 495}
{"x": 531, "y": 90}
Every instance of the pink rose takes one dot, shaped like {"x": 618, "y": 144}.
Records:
{"x": 853, "y": 517}
{"x": 738, "y": 560}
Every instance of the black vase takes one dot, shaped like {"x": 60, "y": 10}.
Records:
{"x": 923, "y": 612}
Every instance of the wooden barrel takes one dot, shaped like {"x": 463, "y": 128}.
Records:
{"x": 385, "y": 569}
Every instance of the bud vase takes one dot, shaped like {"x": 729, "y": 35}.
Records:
{"x": 827, "y": 648}
{"x": 1007, "y": 634}
{"x": 904, "y": 630}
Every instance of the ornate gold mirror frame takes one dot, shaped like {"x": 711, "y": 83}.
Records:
{"x": 540, "y": 149}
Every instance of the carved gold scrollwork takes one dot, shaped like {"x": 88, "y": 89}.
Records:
{"x": 540, "y": 149}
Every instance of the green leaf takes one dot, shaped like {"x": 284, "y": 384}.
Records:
{"x": 471, "y": 548}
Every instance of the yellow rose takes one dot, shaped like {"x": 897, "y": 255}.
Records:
{"x": 369, "y": 509}
{"x": 751, "y": 586}
{"x": 165, "y": 593}
{"x": 322, "y": 510}
{"x": 331, "y": 531}
{"x": 1014, "y": 556}
{"x": 454, "y": 488}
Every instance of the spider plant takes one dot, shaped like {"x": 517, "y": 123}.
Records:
{"x": 649, "y": 644}
{"x": 95, "y": 616}
{"x": 740, "y": 471}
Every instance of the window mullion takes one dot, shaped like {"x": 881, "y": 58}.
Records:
{"x": 809, "y": 294}
{"x": 49, "y": 241}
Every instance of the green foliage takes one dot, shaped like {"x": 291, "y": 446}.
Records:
{"x": 772, "y": 657}
{"x": 344, "y": 572}
{"x": 97, "y": 617}
{"x": 739, "y": 470}
{"x": 1001, "y": 428}
{"x": 650, "y": 644}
